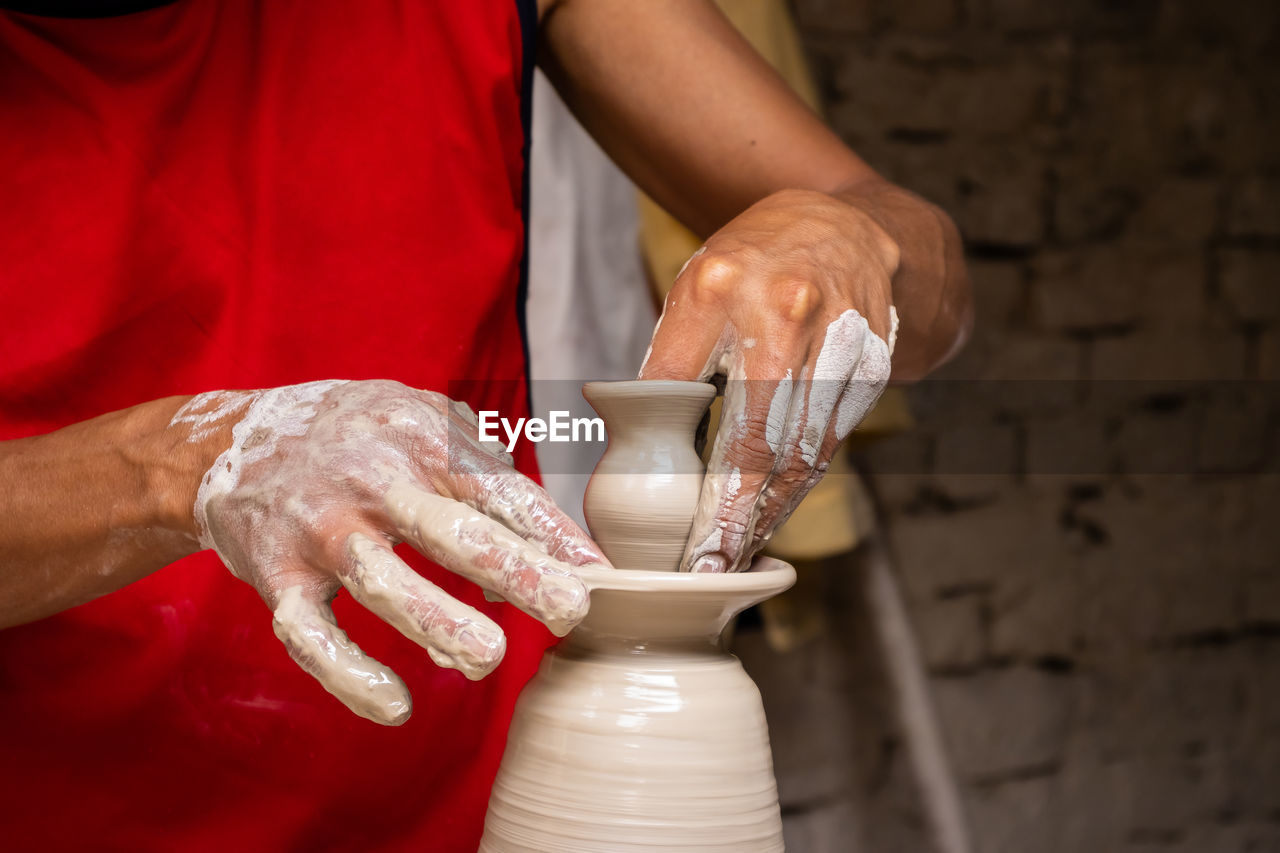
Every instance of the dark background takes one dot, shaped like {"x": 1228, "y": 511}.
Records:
{"x": 1090, "y": 555}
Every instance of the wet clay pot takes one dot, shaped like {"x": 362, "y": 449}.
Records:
{"x": 639, "y": 731}
{"x": 640, "y": 501}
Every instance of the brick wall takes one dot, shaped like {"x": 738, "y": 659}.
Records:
{"x": 1087, "y": 519}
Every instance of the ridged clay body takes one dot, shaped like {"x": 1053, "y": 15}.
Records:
{"x": 640, "y": 501}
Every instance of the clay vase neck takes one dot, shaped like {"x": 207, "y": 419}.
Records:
{"x": 640, "y": 501}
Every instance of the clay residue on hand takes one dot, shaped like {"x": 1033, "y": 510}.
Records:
{"x": 301, "y": 504}
{"x": 203, "y": 413}
{"x": 804, "y": 420}
{"x": 455, "y": 635}
{"x": 271, "y": 416}
{"x": 320, "y": 647}
{"x": 841, "y": 353}
{"x": 475, "y": 546}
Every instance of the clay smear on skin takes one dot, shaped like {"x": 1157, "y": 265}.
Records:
{"x": 869, "y": 378}
{"x": 849, "y": 374}
{"x": 843, "y": 346}
{"x": 519, "y": 503}
{"x": 203, "y": 413}
{"x": 539, "y": 584}
{"x": 776, "y": 424}
{"x": 299, "y": 451}
{"x": 455, "y": 635}
{"x": 273, "y": 415}
{"x": 729, "y": 361}
{"x": 321, "y": 648}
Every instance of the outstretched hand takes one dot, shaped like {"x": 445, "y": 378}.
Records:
{"x": 321, "y": 480}
{"x": 791, "y": 304}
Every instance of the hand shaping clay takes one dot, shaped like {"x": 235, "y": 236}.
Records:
{"x": 639, "y": 732}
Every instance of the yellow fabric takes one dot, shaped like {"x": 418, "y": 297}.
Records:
{"x": 836, "y": 514}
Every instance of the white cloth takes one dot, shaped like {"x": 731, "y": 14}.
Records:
{"x": 589, "y": 312}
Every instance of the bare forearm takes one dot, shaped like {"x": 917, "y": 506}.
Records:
{"x": 93, "y": 507}
{"x": 688, "y": 108}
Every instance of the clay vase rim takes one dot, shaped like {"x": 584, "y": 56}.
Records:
{"x": 647, "y": 388}
{"x": 766, "y": 577}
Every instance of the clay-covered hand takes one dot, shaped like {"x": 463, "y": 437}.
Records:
{"x": 321, "y": 480}
{"x": 791, "y": 303}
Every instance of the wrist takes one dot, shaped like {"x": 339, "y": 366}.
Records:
{"x": 930, "y": 287}
{"x": 182, "y": 445}
{"x": 872, "y": 201}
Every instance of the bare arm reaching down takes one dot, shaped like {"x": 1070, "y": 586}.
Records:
{"x": 815, "y": 270}
{"x": 302, "y": 491}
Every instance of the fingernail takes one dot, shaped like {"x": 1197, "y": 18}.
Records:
{"x": 710, "y": 564}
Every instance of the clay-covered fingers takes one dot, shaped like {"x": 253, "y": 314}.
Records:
{"x": 305, "y": 625}
{"x": 523, "y": 507}
{"x": 814, "y": 418}
{"x": 743, "y": 457}
{"x": 777, "y": 437}
{"x": 799, "y": 468}
{"x": 868, "y": 380}
{"x": 475, "y": 546}
{"x": 850, "y": 374}
{"x": 455, "y": 635}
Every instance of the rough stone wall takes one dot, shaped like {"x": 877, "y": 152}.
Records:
{"x": 1086, "y": 521}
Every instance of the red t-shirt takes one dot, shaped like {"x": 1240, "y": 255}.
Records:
{"x": 236, "y": 195}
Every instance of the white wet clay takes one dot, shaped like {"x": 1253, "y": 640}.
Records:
{"x": 870, "y": 373}
{"x": 893, "y": 328}
{"x": 455, "y": 635}
{"x": 365, "y": 686}
{"x": 271, "y": 416}
{"x": 776, "y": 424}
{"x": 864, "y": 387}
{"x": 204, "y": 412}
{"x": 842, "y": 352}
{"x": 452, "y": 532}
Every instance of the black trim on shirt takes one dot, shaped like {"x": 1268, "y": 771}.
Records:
{"x": 528, "y": 10}
{"x": 81, "y": 8}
